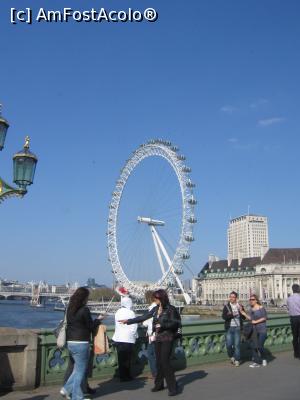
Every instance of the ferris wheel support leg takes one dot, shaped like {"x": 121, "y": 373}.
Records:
{"x": 156, "y": 245}
{"x": 166, "y": 255}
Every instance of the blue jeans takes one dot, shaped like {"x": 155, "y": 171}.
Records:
{"x": 233, "y": 342}
{"x": 152, "y": 358}
{"x": 80, "y": 353}
{"x": 257, "y": 345}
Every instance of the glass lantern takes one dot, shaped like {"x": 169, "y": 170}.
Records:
{"x": 24, "y": 166}
{"x": 3, "y": 130}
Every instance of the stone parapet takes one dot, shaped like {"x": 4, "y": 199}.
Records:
{"x": 29, "y": 358}
{"x": 18, "y": 359}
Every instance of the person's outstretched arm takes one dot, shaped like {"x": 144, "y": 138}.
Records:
{"x": 141, "y": 318}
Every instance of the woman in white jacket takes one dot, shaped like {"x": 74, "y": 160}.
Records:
{"x": 124, "y": 337}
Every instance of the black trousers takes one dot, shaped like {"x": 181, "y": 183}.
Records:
{"x": 69, "y": 370}
{"x": 295, "y": 324}
{"x": 163, "y": 351}
{"x": 125, "y": 352}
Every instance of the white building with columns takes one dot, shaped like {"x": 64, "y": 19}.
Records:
{"x": 270, "y": 276}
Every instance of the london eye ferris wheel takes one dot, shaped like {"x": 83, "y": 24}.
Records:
{"x": 135, "y": 204}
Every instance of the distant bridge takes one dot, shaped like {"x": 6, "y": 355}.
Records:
{"x": 35, "y": 293}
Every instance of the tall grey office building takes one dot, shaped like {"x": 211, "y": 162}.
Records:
{"x": 247, "y": 236}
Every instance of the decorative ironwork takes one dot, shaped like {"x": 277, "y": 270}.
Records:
{"x": 202, "y": 342}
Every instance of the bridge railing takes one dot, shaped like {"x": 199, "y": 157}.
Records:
{"x": 202, "y": 342}
{"x": 15, "y": 290}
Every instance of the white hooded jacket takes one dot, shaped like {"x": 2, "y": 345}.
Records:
{"x": 125, "y": 333}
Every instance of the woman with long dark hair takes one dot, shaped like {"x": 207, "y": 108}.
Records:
{"x": 166, "y": 322}
{"x": 80, "y": 327}
{"x": 258, "y": 317}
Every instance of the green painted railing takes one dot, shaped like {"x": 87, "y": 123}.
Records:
{"x": 202, "y": 342}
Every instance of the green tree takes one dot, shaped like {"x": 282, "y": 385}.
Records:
{"x": 105, "y": 294}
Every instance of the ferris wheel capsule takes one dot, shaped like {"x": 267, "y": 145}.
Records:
{"x": 192, "y": 201}
{"x": 186, "y": 169}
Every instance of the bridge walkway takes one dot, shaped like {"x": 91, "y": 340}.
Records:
{"x": 280, "y": 380}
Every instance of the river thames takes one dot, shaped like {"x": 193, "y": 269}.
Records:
{"x": 19, "y": 314}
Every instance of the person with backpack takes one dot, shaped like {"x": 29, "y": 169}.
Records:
{"x": 233, "y": 327}
{"x": 166, "y": 325}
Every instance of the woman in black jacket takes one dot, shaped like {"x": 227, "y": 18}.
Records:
{"x": 166, "y": 322}
{"x": 80, "y": 327}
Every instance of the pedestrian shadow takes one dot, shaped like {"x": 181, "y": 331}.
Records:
{"x": 114, "y": 385}
{"x": 269, "y": 356}
{"x": 185, "y": 379}
{"x": 246, "y": 352}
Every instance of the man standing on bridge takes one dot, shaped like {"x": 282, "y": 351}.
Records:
{"x": 233, "y": 325}
{"x": 293, "y": 304}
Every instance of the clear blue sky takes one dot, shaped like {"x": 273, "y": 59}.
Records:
{"x": 218, "y": 78}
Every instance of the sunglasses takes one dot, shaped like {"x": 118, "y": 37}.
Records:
{"x": 252, "y": 299}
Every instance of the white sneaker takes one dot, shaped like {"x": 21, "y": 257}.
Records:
{"x": 254, "y": 365}
{"x": 64, "y": 393}
{"x": 264, "y": 363}
{"x": 232, "y": 360}
{"x": 236, "y": 363}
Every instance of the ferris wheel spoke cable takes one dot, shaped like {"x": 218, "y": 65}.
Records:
{"x": 165, "y": 192}
{"x": 161, "y": 193}
{"x": 151, "y": 191}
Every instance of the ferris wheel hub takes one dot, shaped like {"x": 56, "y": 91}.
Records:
{"x": 150, "y": 221}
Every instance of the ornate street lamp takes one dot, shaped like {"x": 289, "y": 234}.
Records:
{"x": 3, "y": 129}
{"x": 24, "y": 166}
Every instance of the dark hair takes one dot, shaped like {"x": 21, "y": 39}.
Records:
{"x": 234, "y": 293}
{"x": 162, "y": 295}
{"x": 296, "y": 288}
{"x": 149, "y": 296}
{"x": 78, "y": 300}
{"x": 256, "y": 298}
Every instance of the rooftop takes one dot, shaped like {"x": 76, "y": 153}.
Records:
{"x": 273, "y": 256}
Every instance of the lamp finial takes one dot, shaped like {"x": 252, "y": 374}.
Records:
{"x": 27, "y": 141}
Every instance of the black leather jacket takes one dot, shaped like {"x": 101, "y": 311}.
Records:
{"x": 169, "y": 321}
{"x": 227, "y": 315}
{"x": 81, "y": 325}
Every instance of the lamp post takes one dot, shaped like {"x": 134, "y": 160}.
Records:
{"x": 24, "y": 164}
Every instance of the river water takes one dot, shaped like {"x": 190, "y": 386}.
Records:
{"x": 19, "y": 314}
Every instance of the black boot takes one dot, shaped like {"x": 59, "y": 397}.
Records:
{"x": 157, "y": 389}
